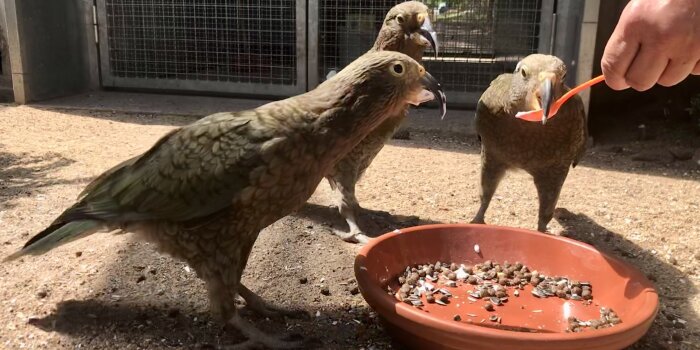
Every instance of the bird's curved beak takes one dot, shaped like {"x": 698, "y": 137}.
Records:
{"x": 426, "y": 30}
{"x": 547, "y": 97}
{"x": 433, "y": 87}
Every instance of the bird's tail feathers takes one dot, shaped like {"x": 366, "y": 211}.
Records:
{"x": 56, "y": 235}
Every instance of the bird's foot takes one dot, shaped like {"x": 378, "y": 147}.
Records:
{"x": 260, "y": 340}
{"x": 258, "y": 305}
{"x": 354, "y": 236}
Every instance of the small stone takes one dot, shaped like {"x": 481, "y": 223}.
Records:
{"x": 140, "y": 279}
{"x": 677, "y": 336}
{"x": 672, "y": 260}
{"x": 78, "y": 254}
{"x": 325, "y": 290}
{"x": 354, "y": 290}
{"x": 430, "y": 298}
{"x": 488, "y": 306}
{"x": 42, "y": 294}
{"x": 172, "y": 313}
{"x": 303, "y": 280}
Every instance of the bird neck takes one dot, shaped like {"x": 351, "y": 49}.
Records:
{"x": 390, "y": 39}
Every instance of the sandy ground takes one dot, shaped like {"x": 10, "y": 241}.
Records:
{"x": 111, "y": 292}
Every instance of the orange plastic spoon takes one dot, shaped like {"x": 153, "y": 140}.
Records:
{"x": 536, "y": 115}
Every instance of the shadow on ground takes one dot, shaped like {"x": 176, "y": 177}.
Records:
{"x": 373, "y": 222}
{"x": 24, "y": 174}
{"x": 674, "y": 296}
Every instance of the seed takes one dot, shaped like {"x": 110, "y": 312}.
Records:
{"x": 503, "y": 281}
{"x": 488, "y": 264}
{"x": 405, "y": 288}
{"x": 488, "y": 306}
{"x": 576, "y": 290}
{"x": 457, "y": 318}
{"x": 535, "y": 280}
{"x": 453, "y": 267}
{"x": 439, "y": 302}
{"x": 493, "y": 318}
{"x": 501, "y": 294}
{"x": 518, "y": 265}
{"x": 472, "y": 279}
{"x": 444, "y": 298}
{"x": 586, "y": 294}
{"x": 452, "y": 276}
{"x": 421, "y": 273}
{"x": 430, "y": 298}
{"x": 516, "y": 293}
{"x": 561, "y": 294}
{"x": 325, "y": 290}
{"x": 495, "y": 301}
{"x": 303, "y": 280}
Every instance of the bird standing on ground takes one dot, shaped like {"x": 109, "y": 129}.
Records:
{"x": 406, "y": 29}
{"x": 545, "y": 151}
{"x": 203, "y": 192}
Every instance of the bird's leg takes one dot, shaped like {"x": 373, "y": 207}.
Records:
{"x": 549, "y": 183}
{"x": 261, "y": 307}
{"x": 222, "y": 292}
{"x": 349, "y": 208}
{"x": 492, "y": 172}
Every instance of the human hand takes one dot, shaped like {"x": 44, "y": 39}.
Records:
{"x": 655, "y": 41}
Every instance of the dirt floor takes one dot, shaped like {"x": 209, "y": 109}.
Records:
{"x": 630, "y": 199}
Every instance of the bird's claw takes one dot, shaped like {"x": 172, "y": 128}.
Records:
{"x": 258, "y": 305}
{"x": 352, "y": 236}
{"x": 260, "y": 340}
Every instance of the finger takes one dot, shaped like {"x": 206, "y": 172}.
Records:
{"x": 696, "y": 71}
{"x": 617, "y": 57}
{"x": 675, "y": 72}
{"x": 646, "y": 68}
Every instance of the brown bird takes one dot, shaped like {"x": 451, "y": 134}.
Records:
{"x": 203, "y": 192}
{"x": 545, "y": 151}
{"x": 406, "y": 29}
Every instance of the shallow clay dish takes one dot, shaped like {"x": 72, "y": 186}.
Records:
{"x": 615, "y": 284}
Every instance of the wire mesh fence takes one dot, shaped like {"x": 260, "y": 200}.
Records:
{"x": 203, "y": 40}
{"x": 264, "y": 42}
{"x": 479, "y": 39}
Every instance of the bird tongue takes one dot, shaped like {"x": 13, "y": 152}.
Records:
{"x": 421, "y": 97}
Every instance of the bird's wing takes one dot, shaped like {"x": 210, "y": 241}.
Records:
{"x": 191, "y": 172}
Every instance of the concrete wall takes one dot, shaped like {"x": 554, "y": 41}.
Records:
{"x": 52, "y": 48}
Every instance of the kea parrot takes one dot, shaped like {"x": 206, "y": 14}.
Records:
{"x": 406, "y": 29}
{"x": 204, "y": 191}
{"x": 545, "y": 150}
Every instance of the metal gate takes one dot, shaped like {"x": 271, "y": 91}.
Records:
{"x": 244, "y": 47}
{"x": 479, "y": 39}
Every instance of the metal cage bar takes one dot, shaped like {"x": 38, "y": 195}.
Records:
{"x": 245, "y": 47}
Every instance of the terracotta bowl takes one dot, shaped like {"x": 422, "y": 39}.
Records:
{"x": 616, "y": 285}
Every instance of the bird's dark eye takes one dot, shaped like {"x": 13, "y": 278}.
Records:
{"x": 523, "y": 71}
{"x": 397, "y": 68}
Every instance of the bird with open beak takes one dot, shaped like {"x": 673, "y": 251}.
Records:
{"x": 406, "y": 29}
{"x": 545, "y": 151}
{"x": 204, "y": 191}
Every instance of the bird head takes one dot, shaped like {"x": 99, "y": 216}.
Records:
{"x": 538, "y": 81}
{"x": 409, "y": 22}
{"x": 388, "y": 79}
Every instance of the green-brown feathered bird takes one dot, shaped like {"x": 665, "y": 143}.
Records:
{"x": 203, "y": 192}
{"x": 545, "y": 151}
{"x": 406, "y": 29}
